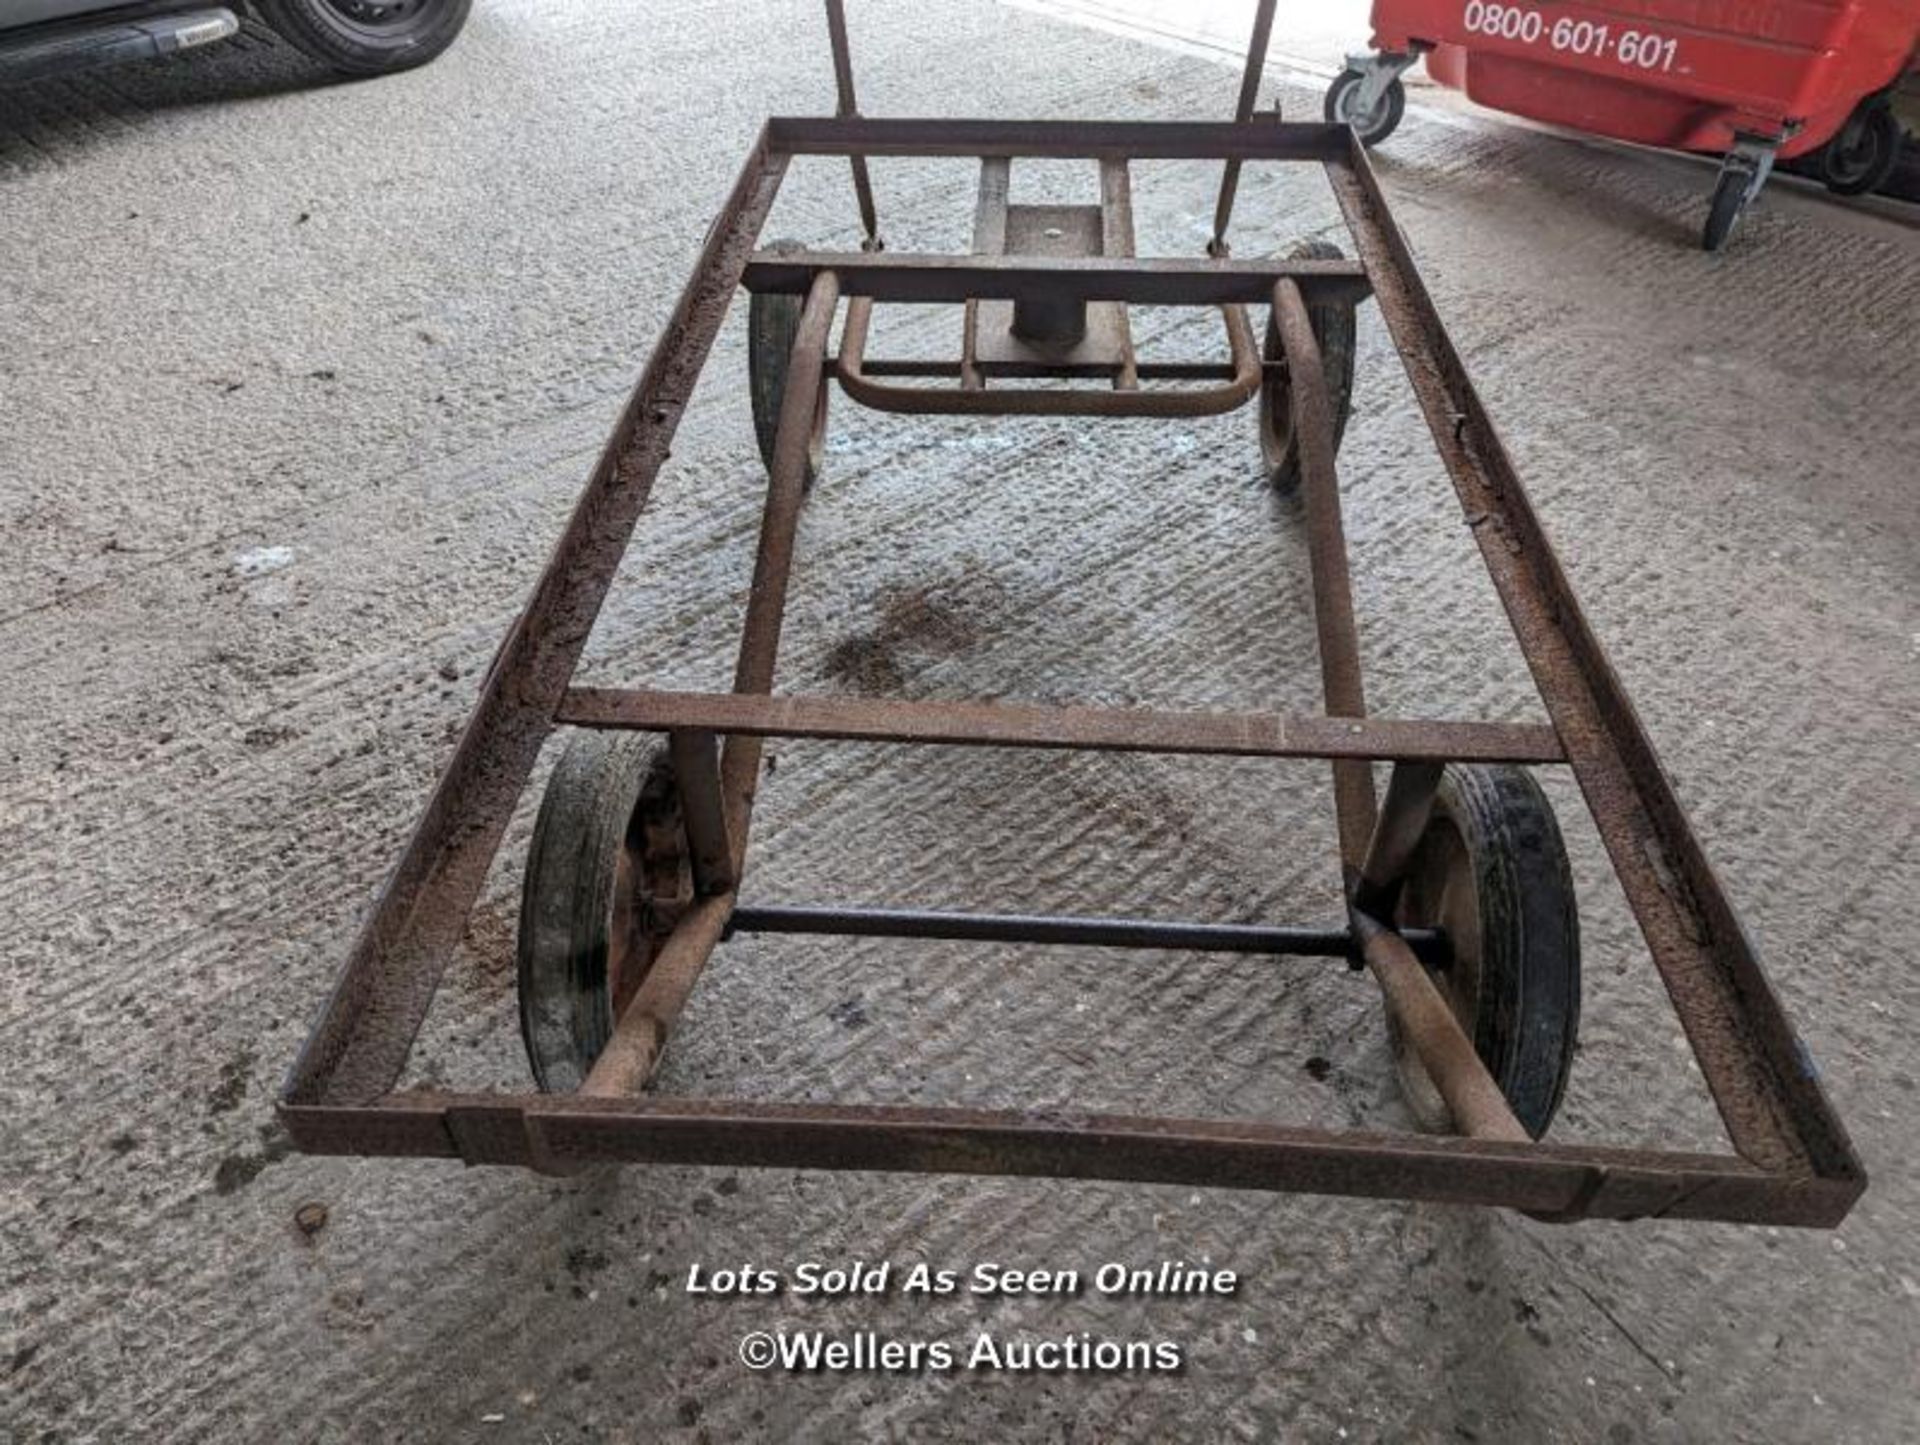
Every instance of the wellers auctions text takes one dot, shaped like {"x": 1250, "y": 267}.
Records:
{"x": 1167, "y": 1279}
{"x": 813, "y": 1351}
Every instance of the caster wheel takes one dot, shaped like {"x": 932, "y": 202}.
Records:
{"x": 607, "y": 877}
{"x": 1374, "y": 125}
{"x": 1491, "y": 870}
{"x": 1334, "y": 327}
{"x": 1860, "y": 158}
{"x": 1729, "y": 201}
{"x": 772, "y": 323}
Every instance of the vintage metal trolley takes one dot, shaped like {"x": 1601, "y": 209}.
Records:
{"x": 1458, "y": 897}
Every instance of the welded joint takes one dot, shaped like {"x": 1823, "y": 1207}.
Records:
{"x": 1474, "y": 1098}
{"x": 503, "y": 1134}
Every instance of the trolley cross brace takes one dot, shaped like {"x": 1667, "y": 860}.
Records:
{"x": 1792, "y": 1162}
{"x": 1268, "y": 735}
{"x": 933, "y": 279}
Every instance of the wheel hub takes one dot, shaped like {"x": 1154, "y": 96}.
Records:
{"x": 652, "y": 886}
{"x": 1855, "y": 151}
{"x": 1361, "y": 120}
{"x": 1439, "y": 893}
{"x": 376, "y": 14}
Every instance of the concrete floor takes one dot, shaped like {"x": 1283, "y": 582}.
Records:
{"x": 299, "y": 382}
{"x": 1306, "y": 38}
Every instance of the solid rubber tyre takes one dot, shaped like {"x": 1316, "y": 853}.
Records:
{"x": 1491, "y": 872}
{"x": 1864, "y": 165}
{"x": 367, "y": 37}
{"x": 607, "y": 873}
{"x": 1373, "y": 128}
{"x": 1729, "y": 200}
{"x": 1335, "y": 327}
{"x": 772, "y": 323}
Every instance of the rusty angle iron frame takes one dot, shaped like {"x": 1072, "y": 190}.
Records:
{"x": 1792, "y": 1162}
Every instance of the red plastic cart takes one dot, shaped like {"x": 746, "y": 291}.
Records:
{"x": 1753, "y": 80}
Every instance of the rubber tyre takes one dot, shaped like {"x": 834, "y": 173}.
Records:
{"x": 1336, "y": 328}
{"x": 351, "y": 46}
{"x": 1863, "y": 167}
{"x": 1372, "y": 129}
{"x": 1491, "y": 870}
{"x": 1729, "y": 200}
{"x": 772, "y": 323}
{"x": 607, "y": 873}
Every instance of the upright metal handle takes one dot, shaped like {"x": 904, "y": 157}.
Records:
{"x": 1249, "y": 97}
{"x": 847, "y": 106}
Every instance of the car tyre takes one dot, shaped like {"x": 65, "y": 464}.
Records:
{"x": 368, "y": 37}
{"x": 1859, "y": 159}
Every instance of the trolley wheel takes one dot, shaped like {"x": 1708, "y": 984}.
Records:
{"x": 1334, "y": 327}
{"x": 772, "y": 323}
{"x": 1491, "y": 871}
{"x": 1729, "y": 200}
{"x": 1860, "y": 158}
{"x": 607, "y": 876}
{"x": 1375, "y": 125}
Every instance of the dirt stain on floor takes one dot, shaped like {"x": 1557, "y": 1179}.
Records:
{"x": 236, "y": 1171}
{"x": 915, "y": 625}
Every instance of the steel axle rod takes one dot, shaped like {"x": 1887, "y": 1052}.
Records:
{"x": 1428, "y": 944}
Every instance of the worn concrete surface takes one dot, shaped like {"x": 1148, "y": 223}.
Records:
{"x": 299, "y": 381}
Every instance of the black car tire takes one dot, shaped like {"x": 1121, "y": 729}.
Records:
{"x": 368, "y": 37}
{"x": 1859, "y": 159}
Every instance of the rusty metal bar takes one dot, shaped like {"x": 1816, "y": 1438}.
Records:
{"x": 848, "y": 108}
{"x": 1154, "y": 140}
{"x": 1145, "y": 280}
{"x": 360, "y": 1043}
{"x": 1327, "y": 557}
{"x": 1427, "y": 944}
{"x": 1564, "y": 1181}
{"x": 989, "y": 239}
{"x": 1242, "y": 112}
{"x": 1116, "y": 207}
{"x": 932, "y": 367}
{"x": 637, "y": 1041}
{"x": 696, "y": 773}
{"x": 1248, "y": 372}
{"x": 1761, "y": 1077}
{"x": 1478, "y": 1107}
{"x": 990, "y": 206}
{"x": 1116, "y": 239}
{"x": 858, "y": 719}
{"x": 773, "y": 566}
{"x": 641, "y": 1033}
{"x": 1396, "y": 836}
